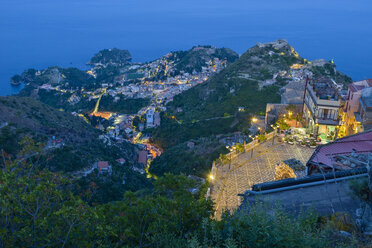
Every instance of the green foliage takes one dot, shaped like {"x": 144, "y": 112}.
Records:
{"x": 239, "y": 147}
{"x": 291, "y": 108}
{"x": 180, "y": 159}
{"x": 76, "y": 77}
{"x": 111, "y": 56}
{"x": 173, "y": 132}
{"x": 360, "y": 188}
{"x": 282, "y": 124}
{"x": 262, "y": 137}
{"x": 37, "y": 209}
{"x": 124, "y": 106}
{"x": 197, "y": 57}
{"x": 8, "y": 140}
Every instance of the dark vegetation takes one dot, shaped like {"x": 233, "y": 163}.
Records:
{"x": 107, "y": 56}
{"x": 329, "y": 69}
{"x": 123, "y": 105}
{"x": 28, "y": 118}
{"x": 39, "y": 209}
{"x": 191, "y": 161}
{"x": 196, "y": 58}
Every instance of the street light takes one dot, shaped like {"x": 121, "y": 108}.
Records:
{"x": 274, "y": 133}
{"x": 230, "y": 149}
{"x": 254, "y": 119}
{"x": 253, "y": 139}
{"x": 211, "y": 177}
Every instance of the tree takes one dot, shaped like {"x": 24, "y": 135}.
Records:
{"x": 282, "y": 124}
{"x": 262, "y": 137}
{"x": 239, "y": 147}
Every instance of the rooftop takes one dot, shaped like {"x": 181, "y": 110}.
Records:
{"x": 325, "y": 89}
{"x": 103, "y": 165}
{"x": 325, "y": 198}
{"x": 348, "y": 148}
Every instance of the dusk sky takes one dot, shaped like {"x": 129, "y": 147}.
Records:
{"x": 41, "y": 33}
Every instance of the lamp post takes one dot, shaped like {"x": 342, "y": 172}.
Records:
{"x": 253, "y": 139}
{"x": 274, "y": 133}
{"x": 230, "y": 149}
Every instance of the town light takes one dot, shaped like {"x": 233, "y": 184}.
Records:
{"x": 211, "y": 177}
{"x": 254, "y": 120}
{"x": 289, "y": 114}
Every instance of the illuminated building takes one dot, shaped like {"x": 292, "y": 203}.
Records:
{"x": 355, "y": 106}
{"x": 322, "y": 107}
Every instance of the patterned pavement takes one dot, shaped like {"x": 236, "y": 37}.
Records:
{"x": 246, "y": 171}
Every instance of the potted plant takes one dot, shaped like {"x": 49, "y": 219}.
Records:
{"x": 313, "y": 144}
{"x": 303, "y": 143}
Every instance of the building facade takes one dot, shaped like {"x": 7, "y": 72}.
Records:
{"x": 355, "y": 105}
{"x": 322, "y": 109}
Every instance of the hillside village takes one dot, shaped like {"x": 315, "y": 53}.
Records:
{"x": 319, "y": 123}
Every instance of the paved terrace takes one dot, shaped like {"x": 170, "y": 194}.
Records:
{"x": 246, "y": 171}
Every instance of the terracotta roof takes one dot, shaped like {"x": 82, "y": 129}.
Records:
{"x": 360, "y": 142}
{"x": 102, "y": 165}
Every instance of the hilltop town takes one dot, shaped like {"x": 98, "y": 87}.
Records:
{"x": 267, "y": 123}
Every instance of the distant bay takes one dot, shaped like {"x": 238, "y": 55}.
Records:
{"x": 37, "y": 34}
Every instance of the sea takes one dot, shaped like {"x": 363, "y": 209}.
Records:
{"x": 41, "y": 33}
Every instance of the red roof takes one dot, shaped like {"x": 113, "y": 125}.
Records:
{"x": 361, "y": 143}
{"x": 102, "y": 165}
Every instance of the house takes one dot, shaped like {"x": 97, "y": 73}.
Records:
{"x": 347, "y": 153}
{"x": 365, "y": 109}
{"x": 142, "y": 158}
{"x": 190, "y": 144}
{"x": 120, "y": 161}
{"x": 150, "y": 118}
{"x": 103, "y": 166}
{"x": 322, "y": 108}
{"x": 352, "y": 119}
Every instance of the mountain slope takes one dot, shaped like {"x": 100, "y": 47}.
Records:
{"x": 211, "y": 108}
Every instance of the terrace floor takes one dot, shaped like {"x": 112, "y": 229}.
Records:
{"x": 248, "y": 169}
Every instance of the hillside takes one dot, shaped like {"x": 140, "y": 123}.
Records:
{"x": 199, "y": 56}
{"x": 111, "y": 56}
{"x": 255, "y": 79}
{"x": 78, "y": 148}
